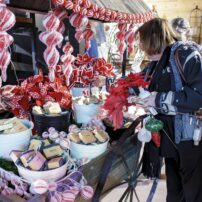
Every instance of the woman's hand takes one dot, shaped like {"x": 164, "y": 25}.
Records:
{"x": 150, "y": 101}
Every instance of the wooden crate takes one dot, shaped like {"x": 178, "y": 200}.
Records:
{"x": 92, "y": 170}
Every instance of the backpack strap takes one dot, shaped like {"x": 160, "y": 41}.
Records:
{"x": 179, "y": 66}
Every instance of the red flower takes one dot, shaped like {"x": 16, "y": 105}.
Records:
{"x": 84, "y": 59}
{"x": 117, "y": 99}
{"x": 101, "y": 67}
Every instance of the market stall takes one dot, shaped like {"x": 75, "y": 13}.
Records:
{"x": 57, "y": 139}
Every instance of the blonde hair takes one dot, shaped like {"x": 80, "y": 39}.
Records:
{"x": 155, "y": 35}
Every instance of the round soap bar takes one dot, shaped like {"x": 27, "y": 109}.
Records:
{"x": 87, "y": 192}
{"x": 40, "y": 186}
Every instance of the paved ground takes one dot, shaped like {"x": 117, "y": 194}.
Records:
{"x": 142, "y": 191}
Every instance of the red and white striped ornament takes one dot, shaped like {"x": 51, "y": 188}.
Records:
{"x": 7, "y": 19}
{"x": 76, "y": 8}
{"x": 87, "y": 3}
{"x": 51, "y": 56}
{"x": 60, "y": 13}
{"x": 5, "y": 59}
{"x": 58, "y": 2}
{"x": 90, "y": 13}
{"x": 52, "y": 38}
{"x": 51, "y": 22}
{"x": 5, "y": 40}
{"x": 69, "y": 5}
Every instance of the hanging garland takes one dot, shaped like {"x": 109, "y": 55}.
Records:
{"x": 86, "y": 8}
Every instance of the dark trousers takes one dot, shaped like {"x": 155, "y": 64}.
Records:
{"x": 184, "y": 174}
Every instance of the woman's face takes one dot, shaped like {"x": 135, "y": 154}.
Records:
{"x": 155, "y": 57}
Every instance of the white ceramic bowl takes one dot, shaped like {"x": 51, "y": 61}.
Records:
{"x": 15, "y": 141}
{"x": 84, "y": 113}
{"x": 79, "y": 151}
{"x": 48, "y": 175}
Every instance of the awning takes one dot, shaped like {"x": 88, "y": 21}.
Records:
{"x": 126, "y": 6}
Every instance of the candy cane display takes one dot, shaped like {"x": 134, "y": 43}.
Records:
{"x": 7, "y": 22}
{"x": 67, "y": 59}
{"x": 79, "y": 22}
{"x": 52, "y": 38}
{"x": 130, "y": 38}
{"x": 121, "y": 37}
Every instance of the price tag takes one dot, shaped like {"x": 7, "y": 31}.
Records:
{"x": 153, "y": 111}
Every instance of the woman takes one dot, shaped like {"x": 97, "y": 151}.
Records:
{"x": 182, "y": 28}
{"x": 175, "y": 100}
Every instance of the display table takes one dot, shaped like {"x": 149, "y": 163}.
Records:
{"x": 119, "y": 164}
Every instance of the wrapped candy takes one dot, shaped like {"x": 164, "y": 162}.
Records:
{"x": 154, "y": 126}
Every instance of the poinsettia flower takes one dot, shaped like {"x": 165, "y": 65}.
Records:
{"x": 101, "y": 67}
{"x": 117, "y": 98}
{"x": 84, "y": 59}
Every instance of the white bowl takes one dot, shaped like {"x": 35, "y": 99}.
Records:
{"x": 76, "y": 91}
{"x": 15, "y": 141}
{"x": 79, "y": 151}
{"x": 84, "y": 113}
{"x": 48, "y": 175}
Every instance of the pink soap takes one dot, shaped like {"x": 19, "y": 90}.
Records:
{"x": 87, "y": 192}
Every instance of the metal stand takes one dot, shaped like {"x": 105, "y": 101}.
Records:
{"x": 131, "y": 181}
{"x": 132, "y": 174}
{"x": 125, "y": 56}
